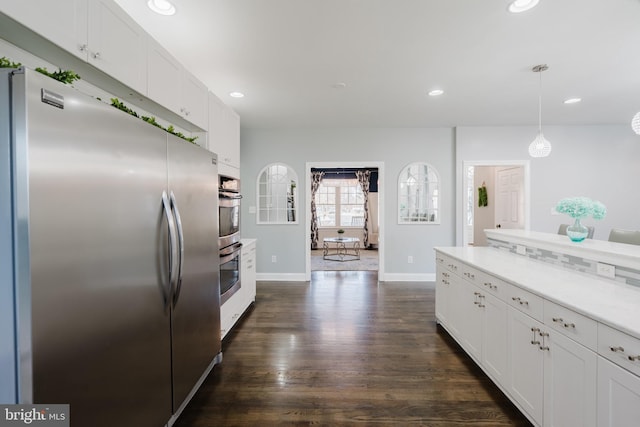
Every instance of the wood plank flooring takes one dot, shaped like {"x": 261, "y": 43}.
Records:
{"x": 345, "y": 350}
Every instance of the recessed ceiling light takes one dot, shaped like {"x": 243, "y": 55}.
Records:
{"x": 236, "y": 95}
{"x": 572, "y": 100}
{"x": 436, "y": 92}
{"x": 518, "y": 6}
{"x": 163, "y": 7}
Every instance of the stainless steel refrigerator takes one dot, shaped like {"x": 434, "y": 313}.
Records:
{"x": 109, "y": 258}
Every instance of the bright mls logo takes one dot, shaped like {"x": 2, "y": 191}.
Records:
{"x": 34, "y": 415}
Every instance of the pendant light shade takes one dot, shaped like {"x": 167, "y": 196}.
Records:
{"x": 540, "y": 147}
{"x": 635, "y": 123}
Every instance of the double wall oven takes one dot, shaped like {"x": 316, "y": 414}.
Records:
{"x": 229, "y": 240}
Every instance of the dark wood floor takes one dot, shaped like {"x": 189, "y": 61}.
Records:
{"x": 343, "y": 350}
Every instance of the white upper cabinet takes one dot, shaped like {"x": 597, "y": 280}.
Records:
{"x": 117, "y": 45}
{"x": 195, "y": 101}
{"x": 224, "y": 132}
{"x": 163, "y": 77}
{"x": 63, "y": 22}
{"x": 172, "y": 86}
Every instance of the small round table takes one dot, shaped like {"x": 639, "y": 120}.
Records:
{"x": 336, "y": 249}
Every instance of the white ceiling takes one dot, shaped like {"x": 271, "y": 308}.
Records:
{"x": 287, "y": 55}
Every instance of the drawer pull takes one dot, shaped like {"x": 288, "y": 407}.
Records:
{"x": 557, "y": 319}
{"x": 569, "y": 325}
{"x": 515, "y": 299}
{"x": 617, "y": 349}
{"x": 523, "y": 302}
{"x": 633, "y": 358}
{"x": 544, "y": 347}
{"x": 491, "y": 286}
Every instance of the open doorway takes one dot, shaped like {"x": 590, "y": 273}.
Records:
{"x": 495, "y": 195}
{"x": 341, "y": 207}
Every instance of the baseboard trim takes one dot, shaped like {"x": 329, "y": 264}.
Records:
{"x": 409, "y": 277}
{"x": 281, "y": 277}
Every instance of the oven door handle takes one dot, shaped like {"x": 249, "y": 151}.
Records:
{"x": 229, "y": 195}
{"x": 228, "y": 253}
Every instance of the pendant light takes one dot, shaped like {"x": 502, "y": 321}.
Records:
{"x": 635, "y": 123}
{"x": 540, "y": 147}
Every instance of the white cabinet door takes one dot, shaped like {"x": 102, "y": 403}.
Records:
{"x": 457, "y": 308}
{"x": 195, "y": 102}
{"x": 163, "y": 77}
{"x": 248, "y": 274}
{"x": 570, "y": 372}
{"x": 494, "y": 339}
{"x": 224, "y": 132}
{"x": 117, "y": 45}
{"x": 442, "y": 294}
{"x": 171, "y": 86}
{"x": 526, "y": 363}
{"x": 471, "y": 322}
{"x": 63, "y": 22}
{"x": 618, "y": 396}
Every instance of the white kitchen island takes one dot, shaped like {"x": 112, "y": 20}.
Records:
{"x": 562, "y": 342}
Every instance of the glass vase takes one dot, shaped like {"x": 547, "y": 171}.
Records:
{"x": 577, "y": 232}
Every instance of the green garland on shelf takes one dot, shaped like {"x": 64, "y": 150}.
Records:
{"x": 115, "y": 102}
{"x": 68, "y": 77}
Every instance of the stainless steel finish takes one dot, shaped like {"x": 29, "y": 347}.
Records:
{"x": 569, "y": 325}
{"x": 92, "y": 224}
{"x": 173, "y": 249}
{"x": 229, "y": 252}
{"x": 229, "y": 195}
{"x": 52, "y": 98}
{"x": 195, "y": 320}
{"x": 180, "y": 251}
{"x": 96, "y": 250}
{"x": 533, "y": 340}
{"x": 617, "y": 349}
{"x": 557, "y": 319}
{"x": 633, "y": 358}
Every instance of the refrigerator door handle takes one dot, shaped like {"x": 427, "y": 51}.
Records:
{"x": 176, "y": 212}
{"x": 173, "y": 249}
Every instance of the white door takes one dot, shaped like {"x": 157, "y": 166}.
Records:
{"x": 510, "y": 198}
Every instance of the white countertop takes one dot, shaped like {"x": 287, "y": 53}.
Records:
{"x": 614, "y": 304}
{"x": 600, "y": 250}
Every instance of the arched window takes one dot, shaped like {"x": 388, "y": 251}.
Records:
{"x": 277, "y": 195}
{"x": 419, "y": 194}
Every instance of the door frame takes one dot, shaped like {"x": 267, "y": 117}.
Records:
{"x": 461, "y": 239}
{"x": 381, "y": 209}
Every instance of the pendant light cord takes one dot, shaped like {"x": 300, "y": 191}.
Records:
{"x": 540, "y": 104}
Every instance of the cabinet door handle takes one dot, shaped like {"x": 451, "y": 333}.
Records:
{"x": 617, "y": 349}
{"x": 569, "y": 325}
{"x": 633, "y": 358}
{"x": 82, "y": 47}
{"x": 515, "y": 299}
{"x": 523, "y": 302}
{"x": 96, "y": 55}
{"x": 557, "y": 319}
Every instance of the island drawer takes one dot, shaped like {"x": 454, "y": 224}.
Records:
{"x": 526, "y": 302}
{"x": 574, "y": 325}
{"x": 449, "y": 263}
{"x": 620, "y": 348}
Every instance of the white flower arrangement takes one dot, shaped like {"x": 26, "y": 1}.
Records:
{"x": 581, "y": 207}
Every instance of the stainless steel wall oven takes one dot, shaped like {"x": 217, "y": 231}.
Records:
{"x": 229, "y": 236}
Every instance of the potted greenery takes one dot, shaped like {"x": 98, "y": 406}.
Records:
{"x": 340, "y": 233}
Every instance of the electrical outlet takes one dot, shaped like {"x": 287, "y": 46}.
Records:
{"x": 410, "y": 259}
{"x": 521, "y": 250}
{"x": 274, "y": 258}
{"x": 606, "y": 270}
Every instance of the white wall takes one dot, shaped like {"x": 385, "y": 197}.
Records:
{"x": 395, "y": 148}
{"x": 600, "y": 162}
